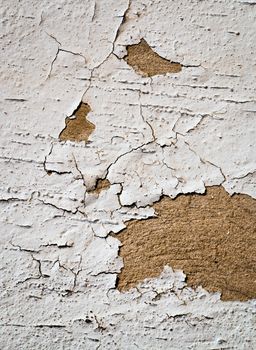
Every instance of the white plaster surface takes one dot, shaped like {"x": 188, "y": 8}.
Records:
{"x": 162, "y": 135}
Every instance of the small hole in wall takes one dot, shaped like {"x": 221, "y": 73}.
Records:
{"x": 147, "y": 62}
{"x": 100, "y": 185}
{"x": 210, "y": 237}
{"x": 78, "y": 128}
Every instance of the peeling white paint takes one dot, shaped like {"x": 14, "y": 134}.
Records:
{"x": 162, "y": 135}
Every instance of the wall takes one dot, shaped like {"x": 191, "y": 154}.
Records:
{"x": 168, "y": 92}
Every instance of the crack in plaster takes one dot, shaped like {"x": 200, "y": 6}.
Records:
{"x": 60, "y": 49}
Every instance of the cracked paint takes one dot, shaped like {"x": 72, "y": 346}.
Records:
{"x": 160, "y": 135}
{"x": 101, "y": 185}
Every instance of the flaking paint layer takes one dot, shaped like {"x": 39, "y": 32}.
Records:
{"x": 165, "y": 134}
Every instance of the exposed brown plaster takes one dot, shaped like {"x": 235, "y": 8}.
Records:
{"x": 79, "y": 128}
{"x": 210, "y": 237}
{"x": 101, "y": 184}
{"x": 147, "y": 62}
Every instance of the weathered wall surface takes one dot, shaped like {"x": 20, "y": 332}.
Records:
{"x": 147, "y": 134}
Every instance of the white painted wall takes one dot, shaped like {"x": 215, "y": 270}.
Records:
{"x": 161, "y": 135}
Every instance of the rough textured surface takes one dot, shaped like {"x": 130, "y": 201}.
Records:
{"x": 161, "y": 135}
{"x": 101, "y": 185}
{"x": 78, "y": 128}
{"x": 210, "y": 237}
{"x": 147, "y": 62}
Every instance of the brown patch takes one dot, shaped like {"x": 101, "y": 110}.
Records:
{"x": 101, "y": 184}
{"x": 210, "y": 237}
{"x": 147, "y": 62}
{"x": 79, "y": 128}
